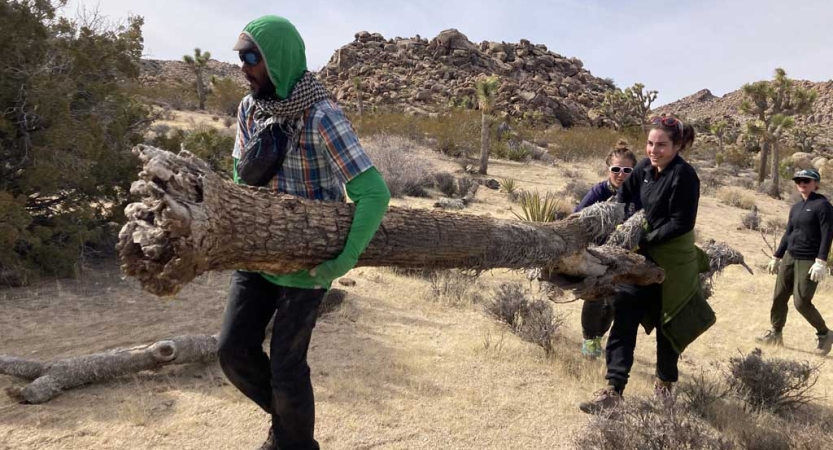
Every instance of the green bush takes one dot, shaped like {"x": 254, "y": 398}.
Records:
{"x": 67, "y": 125}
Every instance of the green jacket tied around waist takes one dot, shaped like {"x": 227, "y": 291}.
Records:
{"x": 685, "y": 313}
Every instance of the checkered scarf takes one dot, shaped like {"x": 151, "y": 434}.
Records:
{"x": 306, "y": 92}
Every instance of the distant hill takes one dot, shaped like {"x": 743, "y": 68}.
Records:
{"x": 702, "y": 105}
{"x": 155, "y": 71}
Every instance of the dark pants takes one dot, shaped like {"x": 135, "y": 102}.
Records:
{"x": 631, "y": 305}
{"x": 596, "y": 318}
{"x": 794, "y": 280}
{"x": 280, "y": 385}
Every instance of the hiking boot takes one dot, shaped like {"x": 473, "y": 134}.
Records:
{"x": 771, "y": 337}
{"x": 269, "y": 443}
{"x": 592, "y": 348}
{"x": 825, "y": 344}
{"x": 663, "y": 389}
{"x": 606, "y": 400}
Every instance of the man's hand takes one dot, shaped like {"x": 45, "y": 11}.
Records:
{"x": 773, "y": 265}
{"x": 818, "y": 271}
{"x": 330, "y": 270}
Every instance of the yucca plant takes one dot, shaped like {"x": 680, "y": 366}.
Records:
{"x": 508, "y": 186}
{"x": 536, "y": 208}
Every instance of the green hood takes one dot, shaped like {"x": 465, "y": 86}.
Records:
{"x": 282, "y": 49}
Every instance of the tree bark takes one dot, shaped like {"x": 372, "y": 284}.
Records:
{"x": 484, "y": 142}
{"x": 200, "y": 86}
{"x": 49, "y": 379}
{"x": 775, "y": 190}
{"x": 191, "y": 221}
{"x": 762, "y": 167}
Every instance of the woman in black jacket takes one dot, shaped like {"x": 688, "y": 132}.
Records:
{"x": 804, "y": 249}
{"x": 669, "y": 191}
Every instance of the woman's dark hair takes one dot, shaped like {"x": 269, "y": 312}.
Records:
{"x": 681, "y": 134}
{"x": 621, "y": 151}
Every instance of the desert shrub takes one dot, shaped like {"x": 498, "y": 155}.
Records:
{"x": 467, "y": 186}
{"x": 701, "y": 393}
{"x": 532, "y": 320}
{"x": 775, "y": 226}
{"x": 225, "y": 96}
{"x": 576, "y": 189}
{"x": 172, "y": 95}
{"x": 454, "y": 287}
{"x": 228, "y": 122}
{"x": 445, "y": 183}
{"x": 404, "y": 170}
{"x": 650, "y": 424}
{"x": 212, "y": 146}
{"x": 67, "y": 124}
{"x": 581, "y": 143}
{"x": 774, "y": 384}
{"x": 710, "y": 181}
{"x": 751, "y": 220}
{"x": 536, "y": 208}
{"x": 454, "y": 133}
{"x": 738, "y": 156}
{"x": 736, "y": 197}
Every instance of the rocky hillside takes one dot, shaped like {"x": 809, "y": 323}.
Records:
{"x": 705, "y": 106}
{"x": 154, "y": 71}
{"x": 423, "y": 76}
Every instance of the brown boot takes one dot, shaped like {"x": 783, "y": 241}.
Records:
{"x": 606, "y": 400}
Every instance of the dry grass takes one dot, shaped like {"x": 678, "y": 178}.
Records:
{"x": 391, "y": 370}
{"x": 737, "y": 197}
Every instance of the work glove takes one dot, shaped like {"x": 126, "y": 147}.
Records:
{"x": 818, "y": 271}
{"x": 773, "y": 265}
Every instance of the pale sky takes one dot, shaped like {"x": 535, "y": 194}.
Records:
{"x": 674, "y": 47}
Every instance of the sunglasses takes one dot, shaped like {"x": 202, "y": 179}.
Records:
{"x": 802, "y": 180}
{"x": 667, "y": 122}
{"x": 250, "y": 58}
{"x": 617, "y": 169}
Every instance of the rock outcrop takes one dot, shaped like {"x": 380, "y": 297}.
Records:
{"x": 424, "y": 75}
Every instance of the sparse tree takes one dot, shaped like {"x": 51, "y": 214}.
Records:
{"x": 197, "y": 64}
{"x": 718, "y": 129}
{"x": 357, "y": 83}
{"x": 641, "y": 101}
{"x": 486, "y": 91}
{"x": 773, "y": 104}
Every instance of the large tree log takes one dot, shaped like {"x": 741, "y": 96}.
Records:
{"x": 191, "y": 220}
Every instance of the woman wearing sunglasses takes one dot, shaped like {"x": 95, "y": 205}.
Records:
{"x": 597, "y": 316}
{"x": 804, "y": 249}
{"x": 676, "y": 310}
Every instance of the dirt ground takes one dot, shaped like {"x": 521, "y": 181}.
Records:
{"x": 393, "y": 368}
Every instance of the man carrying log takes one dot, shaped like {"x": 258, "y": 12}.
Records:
{"x": 290, "y": 114}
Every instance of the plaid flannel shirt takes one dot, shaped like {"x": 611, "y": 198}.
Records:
{"x": 327, "y": 156}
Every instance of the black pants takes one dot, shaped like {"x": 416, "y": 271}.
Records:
{"x": 281, "y": 386}
{"x": 631, "y": 305}
{"x": 596, "y": 318}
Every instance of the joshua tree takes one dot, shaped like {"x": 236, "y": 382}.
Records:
{"x": 486, "y": 92}
{"x": 640, "y": 100}
{"x": 774, "y": 103}
{"x": 197, "y": 64}
{"x": 718, "y": 129}
{"x": 618, "y": 109}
